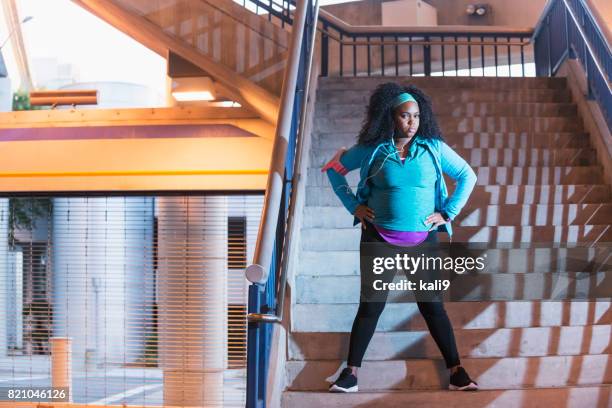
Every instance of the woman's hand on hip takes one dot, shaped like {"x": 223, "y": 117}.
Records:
{"x": 364, "y": 213}
{"x": 436, "y": 219}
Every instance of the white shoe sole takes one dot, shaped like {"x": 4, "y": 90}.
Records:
{"x": 470, "y": 387}
{"x": 335, "y": 388}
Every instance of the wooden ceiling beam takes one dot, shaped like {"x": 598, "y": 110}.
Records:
{"x": 135, "y": 164}
{"x": 238, "y": 117}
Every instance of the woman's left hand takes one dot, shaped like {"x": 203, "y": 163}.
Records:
{"x": 436, "y": 219}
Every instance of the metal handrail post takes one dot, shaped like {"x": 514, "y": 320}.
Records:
{"x": 277, "y": 317}
{"x": 258, "y": 271}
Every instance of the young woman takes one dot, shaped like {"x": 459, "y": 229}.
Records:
{"x": 401, "y": 200}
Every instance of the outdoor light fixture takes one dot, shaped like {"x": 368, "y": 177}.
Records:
{"x": 8, "y": 37}
{"x": 189, "y": 89}
{"x": 476, "y": 9}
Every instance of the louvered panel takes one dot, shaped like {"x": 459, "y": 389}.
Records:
{"x": 147, "y": 292}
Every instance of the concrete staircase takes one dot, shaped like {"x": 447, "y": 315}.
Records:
{"x": 538, "y": 181}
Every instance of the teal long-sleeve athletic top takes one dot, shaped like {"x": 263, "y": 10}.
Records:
{"x": 402, "y": 195}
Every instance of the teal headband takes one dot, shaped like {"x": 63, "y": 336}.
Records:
{"x": 403, "y": 98}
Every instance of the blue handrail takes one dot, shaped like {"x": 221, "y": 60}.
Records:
{"x": 567, "y": 29}
{"x": 263, "y": 297}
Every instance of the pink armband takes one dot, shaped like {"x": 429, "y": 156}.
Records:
{"x": 336, "y": 166}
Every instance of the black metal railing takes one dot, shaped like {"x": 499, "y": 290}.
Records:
{"x": 281, "y": 10}
{"x": 568, "y": 29}
{"x": 368, "y": 50}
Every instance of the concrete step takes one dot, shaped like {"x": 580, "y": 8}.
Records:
{"x": 598, "y": 396}
{"x": 484, "y": 140}
{"x": 509, "y": 260}
{"x": 476, "y": 343}
{"x": 345, "y": 83}
{"x": 342, "y": 239}
{"x": 443, "y": 96}
{"x": 544, "y": 175}
{"x": 485, "y": 215}
{"x": 329, "y": 317}
{"x": 490, "y": 373}
{"x": 495, "y": 195}
{"x": 506, "y": 157}
{"x": 472, "y": 124}
{"x": 536, "y": 215}
{"x": 468, "y": 287}
{"x": 468, "y": 109}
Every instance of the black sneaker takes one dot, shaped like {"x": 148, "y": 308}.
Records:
{"x": 461, "y": 381}
{"x": 346, "y": 382}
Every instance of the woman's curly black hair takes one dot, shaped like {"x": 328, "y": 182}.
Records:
{"x": 379, "y": 124}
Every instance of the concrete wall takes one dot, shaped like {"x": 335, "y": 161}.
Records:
{"x": 602, "y": 9}
{"x": 517, "y": 13}
{"x": 366, "y": 12}
{"x": 6, "y": 95}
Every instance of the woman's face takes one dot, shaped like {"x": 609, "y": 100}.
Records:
{"x": 406, "y": 118}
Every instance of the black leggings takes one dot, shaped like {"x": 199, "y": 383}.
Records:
{"x": 370, "y": 310}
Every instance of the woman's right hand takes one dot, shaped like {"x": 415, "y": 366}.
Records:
{"x": 364, "y": 213}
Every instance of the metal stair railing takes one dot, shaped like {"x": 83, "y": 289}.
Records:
{"x": 568, "y": 29}
{"x": 348, "y": 50}
{"x": 268, "y": 271}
